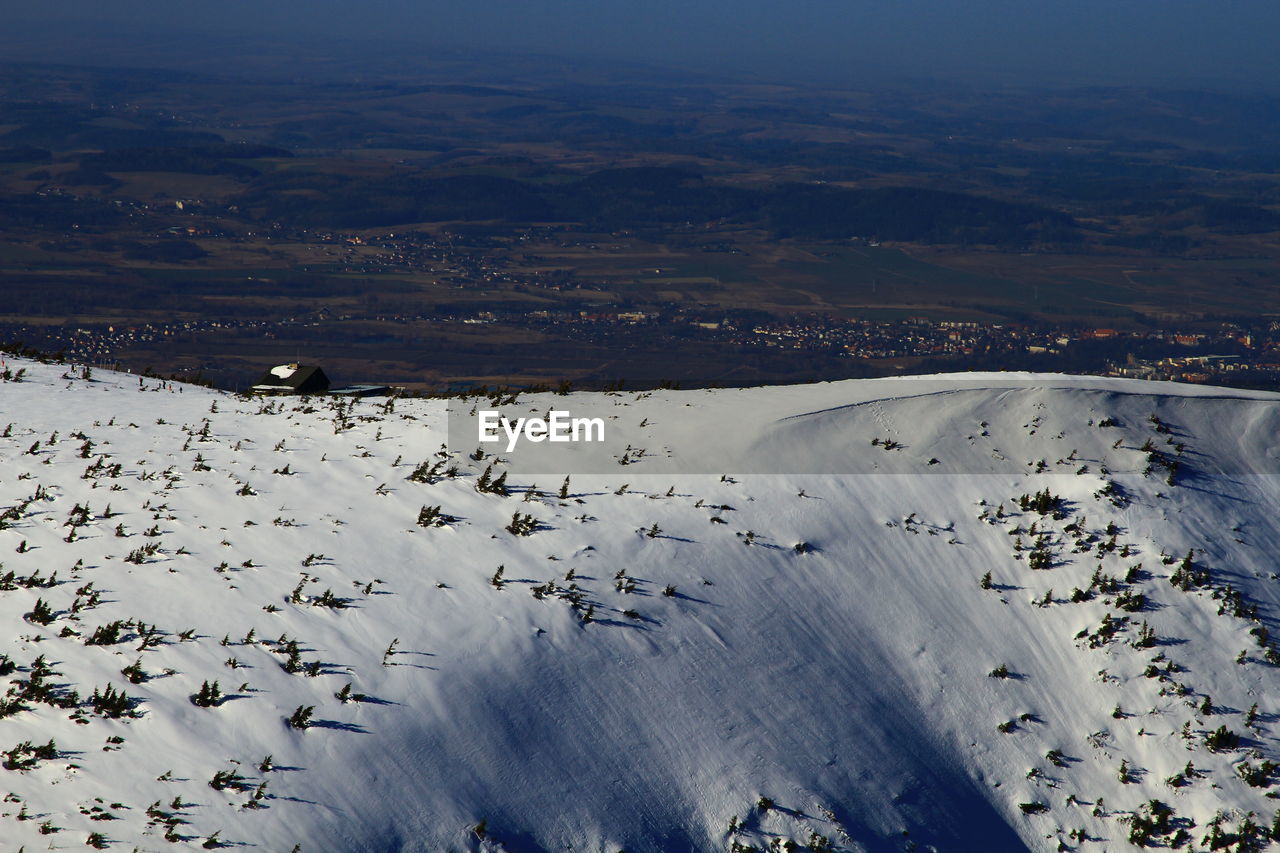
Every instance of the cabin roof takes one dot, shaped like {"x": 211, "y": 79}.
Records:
{"x": 292, "y": 377}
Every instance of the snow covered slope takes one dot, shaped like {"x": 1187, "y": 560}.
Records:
{"x": 960, "y": 615}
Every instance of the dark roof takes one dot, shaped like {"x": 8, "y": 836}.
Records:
{"x": 362, "y": 391}
{"x": 292, "y": 379}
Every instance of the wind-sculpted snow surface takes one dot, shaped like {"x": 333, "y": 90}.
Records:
{"x": 980, "y": 613}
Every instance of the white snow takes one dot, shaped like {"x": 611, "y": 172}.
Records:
{"x": 284, "y": 371}
{"x": 850, "y": 684}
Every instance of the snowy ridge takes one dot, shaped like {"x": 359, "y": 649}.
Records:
{"x": 989, "y": 639}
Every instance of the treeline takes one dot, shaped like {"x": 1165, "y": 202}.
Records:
{"x": 645, "y": 197}
{"x": 921, "y": 215}
{"x": 163, "y": 251}
{"x": 215, "y": 159}
{"x": 59, "y": 126}
{"x": 59, "y": 213}
{"x": 69, "y": 135}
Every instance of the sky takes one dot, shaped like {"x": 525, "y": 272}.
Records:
{"x": 1055, "y": 41}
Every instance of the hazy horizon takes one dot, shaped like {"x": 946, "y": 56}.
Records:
{"x": 1141, "y": 42}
